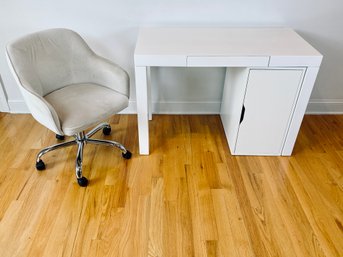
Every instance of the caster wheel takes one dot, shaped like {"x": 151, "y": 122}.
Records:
{"x": 40, "y": 165}
{"x": 59, "y": 137}
{"x": 83, "y": 182}
{"x": 127, "y": 155}
{"x": 106, "y": 130}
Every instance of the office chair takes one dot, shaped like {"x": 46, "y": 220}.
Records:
{"x": 68, "y": 89}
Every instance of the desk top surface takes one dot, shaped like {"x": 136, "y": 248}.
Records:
{"x": 222, "y": 42}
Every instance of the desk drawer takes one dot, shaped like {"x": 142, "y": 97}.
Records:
{"x": 227, "y": 61}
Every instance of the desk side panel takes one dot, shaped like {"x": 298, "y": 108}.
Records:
{"x": 300, "y": 108}
{"x": 232, "y": 102}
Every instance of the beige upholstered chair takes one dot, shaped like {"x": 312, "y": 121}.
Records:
{"x": 68, "y": 88}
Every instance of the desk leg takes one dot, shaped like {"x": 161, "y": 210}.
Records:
{"x": 304, "y": 96}
{"x": 142, "y": 109}
{"x": 148, "y": 72}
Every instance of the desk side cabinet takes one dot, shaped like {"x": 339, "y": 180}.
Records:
{"x": 257, "y": 108}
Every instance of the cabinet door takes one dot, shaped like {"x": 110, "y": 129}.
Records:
{"x": 269, "y": 102}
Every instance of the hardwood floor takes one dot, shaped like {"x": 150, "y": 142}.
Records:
{"x": 189, "y": 197}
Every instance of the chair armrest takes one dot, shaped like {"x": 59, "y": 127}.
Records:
{"x": 108, "y": 74}
{"x": 42, "y": 111}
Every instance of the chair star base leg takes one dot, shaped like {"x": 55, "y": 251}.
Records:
{"x": 80, "y": 140}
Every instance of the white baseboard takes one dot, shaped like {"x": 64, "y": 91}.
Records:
{"x": 178, "y": 108}
{"x": 325, "y": 106}
{"x": 186, "y": 107}
{"x": 3, "y": 98}
{"x": 315, "y": 106}
{"x": 18, "y": 106}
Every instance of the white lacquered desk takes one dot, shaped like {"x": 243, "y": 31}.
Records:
{"x": 262, "y": 64}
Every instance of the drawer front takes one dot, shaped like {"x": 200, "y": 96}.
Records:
{"x": 227, "y": 61}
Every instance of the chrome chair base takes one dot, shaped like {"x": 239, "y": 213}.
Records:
{"x": 81, "y": 139}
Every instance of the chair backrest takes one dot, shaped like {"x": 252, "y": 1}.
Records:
{"x": 48, "y": 60}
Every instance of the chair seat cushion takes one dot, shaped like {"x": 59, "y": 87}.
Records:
{"x": 81, "y": 106}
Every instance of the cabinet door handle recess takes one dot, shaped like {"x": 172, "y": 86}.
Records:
{"x": 242, "y": 114}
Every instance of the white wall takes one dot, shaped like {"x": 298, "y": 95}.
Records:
{"x": 111, "y": 27}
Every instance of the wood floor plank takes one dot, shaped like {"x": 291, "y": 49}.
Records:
{"x": 317, "y": 210}
{"x": 188, "y": 198}
{"x": 289, "y": 208}
{"x": 155, "y": 243}
{"x": 241, "y": 238}
{"x": 267, "y": 218}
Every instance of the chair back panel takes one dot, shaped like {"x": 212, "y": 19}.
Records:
{"x": 48, "y": 60}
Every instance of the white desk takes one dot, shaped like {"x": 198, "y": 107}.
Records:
{"x": 253, "y": 56}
